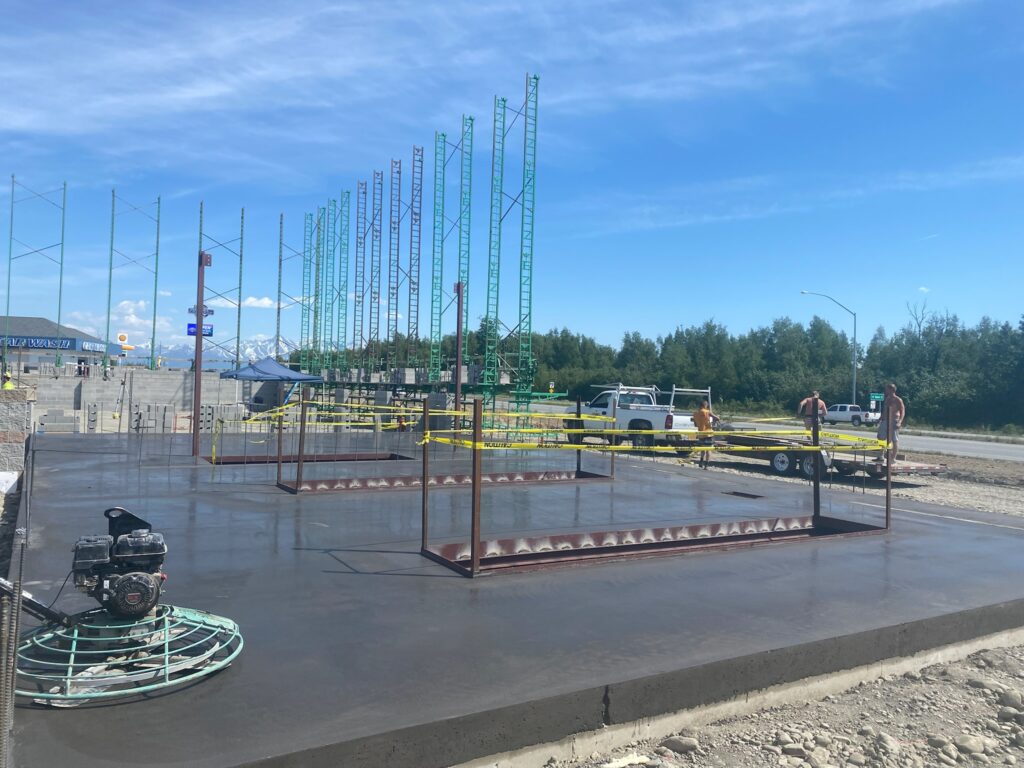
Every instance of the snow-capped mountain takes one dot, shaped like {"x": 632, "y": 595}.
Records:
{"x": 252, "y": 349}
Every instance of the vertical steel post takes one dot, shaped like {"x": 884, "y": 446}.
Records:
{"x": 459, "y": 292}
{"x": 110, "y": 276}
{"x": 156, "y": 278}
{"x": 10, "y": 264}
{"x": 815, "y": 460}
{"x": 238, "y": 316}
{"x": 280, "y": 273}
{"x": 305, "y": 393}
{"x": 615, "y": 421}
{"x": 478, "y": 417}
{"x": 578, "y": 423}
{"x": 280, "y": 441}
{"x": 425, "y": 482}
{"x": 197, "y": 383}
{"x": 890, "y": 456}
{"x": 60, "y": 275}
{"x": 415, "y": 219}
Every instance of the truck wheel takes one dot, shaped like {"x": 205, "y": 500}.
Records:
{"x": 782, "y": 463}
{"x": 855, "y": 421}
{"x": 576, "y": 438}
{"x": 642, "y": 441}
{"x": 832, "y": 423}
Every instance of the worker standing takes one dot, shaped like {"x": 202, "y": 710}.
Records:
{"x": 8, "y": 384}
{"x": 806, "y": 409}
{"x": 704, "y": 421}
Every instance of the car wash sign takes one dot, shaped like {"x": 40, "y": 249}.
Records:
{"x": 37, "y": 342}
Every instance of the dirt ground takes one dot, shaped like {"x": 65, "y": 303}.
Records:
{"x": 985, "y": 485}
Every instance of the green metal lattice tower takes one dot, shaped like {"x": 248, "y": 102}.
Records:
{"x": 394, "y": 230}
{"x": 415, "y": 226}
{"x": 358, "y": 339}
{"x": 305, "y": 335}
{"x": 465, "y": 208}
{"x": 491, "y": 370}
{"x": 437, "y": 260}
{"x": 525, "y": 364}
{"x": 327, "y": 286}
{"x": 341, "y": 291}
{"x": 376, "y": 218}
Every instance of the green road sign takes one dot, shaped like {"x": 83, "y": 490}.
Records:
{"x": 877, "y": 396}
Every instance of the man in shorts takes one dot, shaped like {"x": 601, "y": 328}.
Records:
{"x": 806, "y": 409}
{"x": 704, "y": 420}
{"x": 899, "y": 411}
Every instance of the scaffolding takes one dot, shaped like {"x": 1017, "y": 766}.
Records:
{"x": 285, "y": 299}
{"x": 415, "y": 219}
{"x": 226, "y": 297}
{"x": 394, "y": 229}
{"x": 341, "y": 288}
{"x": 358, "y": 337}
{"x": 375, "y": 277}
{"x": 440, "y": 300}
{"x": 52, "y": 252}
{"x": 149, "y": 262}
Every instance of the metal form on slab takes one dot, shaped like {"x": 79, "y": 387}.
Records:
{"x": 472, "y": 557}
{"x": 100, "y": 657}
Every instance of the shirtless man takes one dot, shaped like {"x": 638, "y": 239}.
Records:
{"x": 805, "y": 409}
{"x": 899, "y": 411}
{"x": 704, "y": 420}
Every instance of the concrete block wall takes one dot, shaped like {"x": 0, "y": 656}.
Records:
{"x": 161, "y": 387}
{"x": 15, "y": 422}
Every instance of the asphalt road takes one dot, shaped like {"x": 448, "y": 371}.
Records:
{"x": 977, "y": 449}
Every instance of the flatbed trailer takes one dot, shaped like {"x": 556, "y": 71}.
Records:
{"x": 787, "y": 454}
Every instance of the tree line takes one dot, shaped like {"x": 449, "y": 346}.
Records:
{"x": 948, "y": 373}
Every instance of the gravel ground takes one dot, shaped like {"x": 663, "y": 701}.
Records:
{"x": 985, "y": 485}
{"x": 960, "y": 713}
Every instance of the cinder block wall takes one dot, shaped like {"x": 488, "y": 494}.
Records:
{"x": 161, "y": 387}
{"x": 15, "y": 420}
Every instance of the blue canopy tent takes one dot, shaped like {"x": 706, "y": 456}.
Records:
{"x": 268, "y": 369}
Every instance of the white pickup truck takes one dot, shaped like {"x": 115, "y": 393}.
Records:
{"x": 850, "y": 414}
{"x": 638, "y": 408}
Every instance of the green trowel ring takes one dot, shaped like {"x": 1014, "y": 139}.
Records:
{"x": 193, "y": 644}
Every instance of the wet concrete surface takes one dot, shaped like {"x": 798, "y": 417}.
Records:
{"x": 361, "y": 652}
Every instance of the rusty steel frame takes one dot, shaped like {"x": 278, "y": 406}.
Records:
{"x": 477, "y": 556}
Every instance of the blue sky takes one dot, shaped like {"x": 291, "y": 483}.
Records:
{"x": 696, "y": 160}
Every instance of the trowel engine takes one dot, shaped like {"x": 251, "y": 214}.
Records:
{"x": 121, "y": 570}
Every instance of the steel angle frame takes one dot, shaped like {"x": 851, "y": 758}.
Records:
{"x": 478, "y": 555}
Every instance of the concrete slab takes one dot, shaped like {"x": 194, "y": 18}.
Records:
{"x": 359, "y": 652}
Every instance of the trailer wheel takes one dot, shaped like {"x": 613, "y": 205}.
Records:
{"x": 808, "y": 465}
{"x": 782, "y": 463}
{"x": 576, "y": 438}
{"x": 844, "y": 468}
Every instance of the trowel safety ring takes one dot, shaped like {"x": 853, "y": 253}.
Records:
{"x": 101, "y": 657}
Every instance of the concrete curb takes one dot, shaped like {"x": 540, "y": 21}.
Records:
{"x": 475, "y": 736}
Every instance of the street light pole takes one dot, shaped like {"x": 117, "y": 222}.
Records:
{"x": 853, "y": 395}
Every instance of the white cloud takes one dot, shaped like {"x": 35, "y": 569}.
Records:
{"x": 251, "y": 302}
{"x": 924, "y": 289}
{"x": 164, "y": 293}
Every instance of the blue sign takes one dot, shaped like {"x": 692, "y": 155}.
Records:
{"x": 207, "y": 329}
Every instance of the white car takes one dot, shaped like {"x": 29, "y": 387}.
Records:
{"x": 852, "y": 414}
